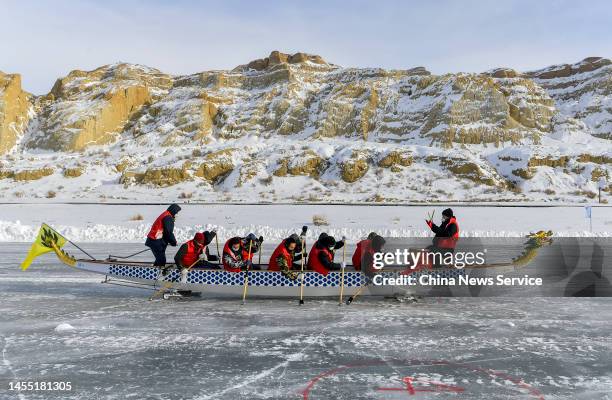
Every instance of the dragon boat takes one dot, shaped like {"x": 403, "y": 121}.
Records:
{"x": 221, "y": 283}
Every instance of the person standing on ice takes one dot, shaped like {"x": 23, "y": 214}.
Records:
{"x": 321, "y": 256}
{"x": 162, "y": 234}
{"x": 189, "y": 254}
{"x": 447, "y": 233}
{"x": 363, "y": 258}
{"x": 286, "y": 254}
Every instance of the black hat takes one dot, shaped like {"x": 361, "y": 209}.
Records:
{"x": 174, "y": 209}
{"x": 448, "y": 213}
{"x": 290, "y": 240}
{"x": 378, "y": 242}
{"x": 328, "y": 241}
{"x": 372, "y": 235}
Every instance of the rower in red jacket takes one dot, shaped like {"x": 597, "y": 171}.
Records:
{"x": 287, "y": 253}
{"x": 190, "y": 253}
{"x": 363, "y": 258}
{"x": 321, "y": 256}
{"x": 447, "y": 234}
{"x": 238, "y": 253}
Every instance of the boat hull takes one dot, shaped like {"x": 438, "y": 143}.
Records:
{"x": 219, "y": 283}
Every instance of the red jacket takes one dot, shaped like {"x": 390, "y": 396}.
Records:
{"x": 192, "y": 254}
{"x": 157, "y": 230}
{"x": 281, "y": 250}
{"x": 313, "y": 259}
{"x": 363, "y": 247}
{"x": 227, "y": 250}
{"x": 449, "y": 242}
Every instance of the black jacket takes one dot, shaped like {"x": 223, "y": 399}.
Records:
{"x": 168, "y": 235}
{"x": 445, "y": 229}
{"x": 326, "y": 262}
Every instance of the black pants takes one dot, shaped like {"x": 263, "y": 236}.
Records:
{"x": 158, "y": 247}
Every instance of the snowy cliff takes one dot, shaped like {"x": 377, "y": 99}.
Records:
{"x": 297, "y": 128}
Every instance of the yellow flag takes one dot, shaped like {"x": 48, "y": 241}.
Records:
{"x": 43, "y": 244}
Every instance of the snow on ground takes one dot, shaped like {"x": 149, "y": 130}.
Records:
{"x": 125, "y": 347}
{"x": 113, "y": 223}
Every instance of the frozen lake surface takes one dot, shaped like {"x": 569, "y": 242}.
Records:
{"x": 59, "y": 324}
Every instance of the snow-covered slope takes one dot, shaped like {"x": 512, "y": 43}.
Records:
{"x": 297, "y": 128}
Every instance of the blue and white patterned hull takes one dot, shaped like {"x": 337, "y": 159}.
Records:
{"x": 261, "y": 283}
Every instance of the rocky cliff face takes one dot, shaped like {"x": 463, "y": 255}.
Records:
{"x": 92, "y": 108}
{"x": 14, "y": 110}
{"x": 582, "y": 91}
{"x": 295, "y": 127}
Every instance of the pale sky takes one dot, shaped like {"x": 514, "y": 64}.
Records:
{"x": 45, "y": 40}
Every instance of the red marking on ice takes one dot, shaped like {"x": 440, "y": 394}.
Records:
{"x": 411, "y": 390}
{"x": 533, "y": 392}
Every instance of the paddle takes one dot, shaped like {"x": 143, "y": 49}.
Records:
{"x": 342, "y": 272}
{"x": 246, "y": 275}
{"x": 302, "y": 273}
{"x": 358, "y": 292}
{"x": 260, "y": 250}
{"x": 218, "y": 252}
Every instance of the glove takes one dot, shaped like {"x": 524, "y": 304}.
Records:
{"x": 261, "y": 239}
{"x": 344, "y": 238}
{"x": 429, "y": 223}
{"x": 213, "y": 233}
{"x": 304, "y": 230}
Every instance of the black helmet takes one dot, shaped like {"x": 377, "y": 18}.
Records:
{"x": 448, "y": 213}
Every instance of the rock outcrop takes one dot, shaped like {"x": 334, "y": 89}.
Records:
{"x": 582, "y": 91}
{"x": 14, "y": 107}
{"x": 91, "y": 108}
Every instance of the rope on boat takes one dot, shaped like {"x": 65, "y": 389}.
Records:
{"x": 130, "y": 256}
{"x": 86, "y": 253}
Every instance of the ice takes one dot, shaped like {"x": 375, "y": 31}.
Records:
{"x": 127, "y": 347}
{"x": 64, "y": 328}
